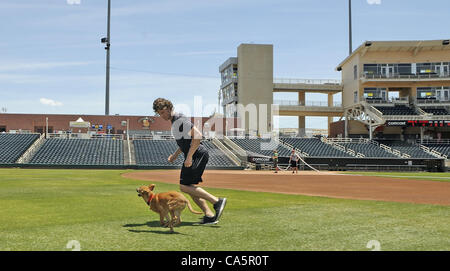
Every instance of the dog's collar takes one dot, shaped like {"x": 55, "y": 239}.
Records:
{"x": 150, "y": 199}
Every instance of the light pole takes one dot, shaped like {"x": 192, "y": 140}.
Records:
{"x": 350, "y": 27}
{"x": 107, "y": 40}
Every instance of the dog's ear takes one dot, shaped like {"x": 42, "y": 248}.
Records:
{"x": 152, "y": 186}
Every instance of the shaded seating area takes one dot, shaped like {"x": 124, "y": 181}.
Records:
{"x": 435, "y": 111}
{"x": 440, "y": 147}
{"x": 12, "y": 146}
{"x": 413, "y": 150}
{"x": 216, "y": 157}
{"x": 261, "y": 146}
{"x": 369, "y": 150}
{"x": 314, "y": 147}
{"x": 156, "y": 152}
{"x": 396, "y": 110}
{"x": 80, "y": 152}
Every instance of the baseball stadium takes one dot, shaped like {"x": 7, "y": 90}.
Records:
{"x": 376, "y": 181}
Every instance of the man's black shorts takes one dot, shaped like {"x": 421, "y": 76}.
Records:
{"x": 193, "y": 174}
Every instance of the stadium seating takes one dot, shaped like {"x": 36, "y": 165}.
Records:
{"x": 156, "y": 152}
{"x": 396, "y": 110}
{"x": 80, "y": 152}
{"x": 413, "y": 150}
{"x": 259, "y": 146}
{"x": 314, "y": 147}
{"x": 436, "y": 111}
{"x": 216, "y": 157}
{"x": 441, "y": 148}
{"x": 12, "y": 146}
{"x": 369, "y": 150}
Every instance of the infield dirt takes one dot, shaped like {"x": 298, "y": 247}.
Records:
{"x": 324, "y": 184}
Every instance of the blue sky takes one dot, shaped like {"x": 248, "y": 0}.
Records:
{"x": 52, "y": 61}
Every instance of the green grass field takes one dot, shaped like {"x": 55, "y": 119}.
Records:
{"x": 45, "y": 209}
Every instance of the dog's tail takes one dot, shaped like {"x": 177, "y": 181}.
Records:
{"x": 192, "y": 209}
{"x": 190, "y": 206}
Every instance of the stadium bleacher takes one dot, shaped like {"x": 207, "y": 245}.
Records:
{"x": 413, "y": 150}
{"x": 260, "y": 146}
{"x": 396, "y": 110}
{"x": 156, "y": 152}
{"x": 59, "y": 151}
{"x": 106, "y": 152}
{"x": 314, "y": 147}
{"x": 216, "y": 157}
{"x": 12, "y": 146}
{"x": 435, "y": 111}
{"x": 439, "y": 147}
{"x": 369, "y": 150}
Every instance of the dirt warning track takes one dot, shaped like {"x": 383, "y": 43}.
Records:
{"x": 325, "y": 184}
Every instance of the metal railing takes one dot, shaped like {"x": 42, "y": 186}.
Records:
{"x": 432, "y": 152}
{"x": 431, "y": 101}
{"x": 31, "y": 150}
{"x": 307, "y": 103}
{"x": 433, "y": 141}
{"x": 307, "y": 81}
{"x": 84, "y": 136}
{"x": 152, "y": 137}
{"x": 405, "y": 76}
{"x": 392, "y": 100}
{"x": 415, "y": 117}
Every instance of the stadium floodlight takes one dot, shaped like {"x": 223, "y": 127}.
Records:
{"x": 350, "y": 50}
{"x": 107, "y": 41}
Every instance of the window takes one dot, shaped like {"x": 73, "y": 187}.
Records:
{"x": 370, "y": 68}
{"x": 355, "y": 96}
{"x": 355, "y": 72}
{"x": 425, "y": 68}
{"x": 375, "y": 93}
{"x": 404, "y": 69}
{"x": 426, "y": 92}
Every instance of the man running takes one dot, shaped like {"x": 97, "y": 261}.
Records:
{"x": 196, "y": 157}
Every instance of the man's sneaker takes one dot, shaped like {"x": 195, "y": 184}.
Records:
{"x": 206, "y": 220}
{"x": 219, "y": 206}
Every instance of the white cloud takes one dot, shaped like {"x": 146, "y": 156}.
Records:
{"x": 74, "y": 2}
{"x": 50, "y": 102}
{"x": 374, "y": 2}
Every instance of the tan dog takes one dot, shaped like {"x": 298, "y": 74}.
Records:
{"x": 164, "y": 203}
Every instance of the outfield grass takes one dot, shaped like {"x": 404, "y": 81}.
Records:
{"x": 45, "y": 209}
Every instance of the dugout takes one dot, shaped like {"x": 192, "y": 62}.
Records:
{"x": 390, "y": 164}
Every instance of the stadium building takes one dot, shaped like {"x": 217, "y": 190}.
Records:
{"x": 394, "y": 115}
{"x": 248, "y": 79}
{"x": 396, "y": 90}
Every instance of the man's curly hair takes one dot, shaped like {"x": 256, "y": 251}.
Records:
{"x": 161, "y": 103}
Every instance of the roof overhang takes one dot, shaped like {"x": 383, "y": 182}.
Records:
{"x": 413, "y": 46}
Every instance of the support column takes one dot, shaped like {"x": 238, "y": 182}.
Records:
{"x": 346, "y": 113}
{"x": 421, "y": 135}
{"x": 301, "y": 126}
{"x": 330, "y": 104}
{"x": 301, "y": 119}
